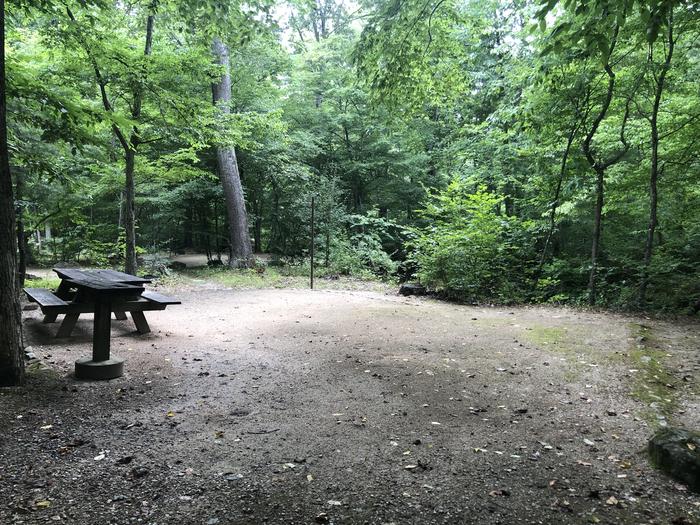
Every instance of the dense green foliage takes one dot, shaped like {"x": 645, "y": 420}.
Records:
{"x": 464, "y": 144}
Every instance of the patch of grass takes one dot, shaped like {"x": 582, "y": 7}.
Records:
{"x": 40, "y": 371}
{"x": 274, "y": 277}
{"x": 555, "y": 339}
{"x": 652, "y": 384}
{"x": 50, "y": 283}
{"x": 560, "y": 340}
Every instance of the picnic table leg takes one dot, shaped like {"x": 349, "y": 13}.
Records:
{"x": 50, "y": 318}
{"x": 101, "y": 366}
{"x": 140, "y": 322}
{"x": 119, "y": 316}
{"x": 62, "y": 290}
{"x": 67, "y": 325}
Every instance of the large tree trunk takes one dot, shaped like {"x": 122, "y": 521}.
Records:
{"x": 241, "y": 252}
{"x": 654, "y": 171}
{"x": 11, "y": 358}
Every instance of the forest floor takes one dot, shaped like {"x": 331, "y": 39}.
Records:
{"x": 351, "y": 406}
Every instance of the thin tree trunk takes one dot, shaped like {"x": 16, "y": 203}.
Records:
{"x": 597, "y": 228}
{"x": 216, "y": 232}
{"x": 241, "y": 249}
{"x": 599, "y": 169}
{"x": 22, "y": 247}
{"x": 130, "y": 264}
{"x": 555, "y": 204}
{"x": 257, "y": 227}
{"x": 654, "y": 171}
{"x": 11, "y": 359}
{"x": 129, "y": 146}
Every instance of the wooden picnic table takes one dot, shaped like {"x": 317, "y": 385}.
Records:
{"x": 101, "y": 292}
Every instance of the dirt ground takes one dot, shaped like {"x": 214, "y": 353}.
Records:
{"x": 296, "y": 406}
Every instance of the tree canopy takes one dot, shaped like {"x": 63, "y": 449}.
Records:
{"x": 502, "y": 151}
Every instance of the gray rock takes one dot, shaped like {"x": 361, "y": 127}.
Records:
{"x": 29, "y": 353}
{"x": 676, "y": 452}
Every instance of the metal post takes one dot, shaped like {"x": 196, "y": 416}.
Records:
{"x": 312, "y": 243}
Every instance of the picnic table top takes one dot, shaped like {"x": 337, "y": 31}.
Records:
{"x": 108, "y": 282}
{"x": 106, "y": 276}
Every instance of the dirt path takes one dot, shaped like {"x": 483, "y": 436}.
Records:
{"x": 290, "y": 406}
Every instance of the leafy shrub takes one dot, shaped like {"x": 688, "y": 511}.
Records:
{"x": 469, "y": 250}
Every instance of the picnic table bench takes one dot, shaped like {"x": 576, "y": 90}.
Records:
{"x": 101, "y": 292}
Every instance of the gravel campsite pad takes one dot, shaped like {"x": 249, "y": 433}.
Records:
{"x": 297, "y": 406}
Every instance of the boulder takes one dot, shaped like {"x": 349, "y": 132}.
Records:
{"x": 412, "y": 289}
{"x": 676, "y": 452}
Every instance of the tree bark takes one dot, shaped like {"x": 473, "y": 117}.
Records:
{"x": 11, "y": 358}
{"x": 241, "y": 252}
{"x": 654, "y": 170}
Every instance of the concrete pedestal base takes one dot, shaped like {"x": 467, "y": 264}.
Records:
{"x": 86, "y": 368}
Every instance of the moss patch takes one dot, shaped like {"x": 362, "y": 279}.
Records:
{"x": 652, "y": 383}
{"x": 553, "y": 338}
{"x": 563, "y": 341}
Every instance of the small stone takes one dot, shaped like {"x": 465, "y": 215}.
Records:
{"x": 611, "y": 413}
{"x": 140, "y": 472}
{"x": 322, "y": 518}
